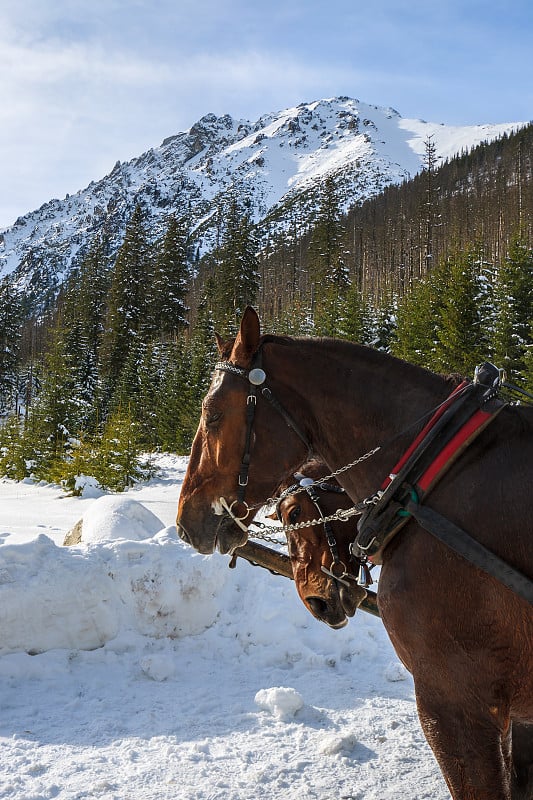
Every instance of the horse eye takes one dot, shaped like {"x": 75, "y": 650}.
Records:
{"x": 213, "y": 419}
{"x": 294, "y": 514}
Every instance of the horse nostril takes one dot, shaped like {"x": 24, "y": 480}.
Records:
{"x": 317, "y": 605}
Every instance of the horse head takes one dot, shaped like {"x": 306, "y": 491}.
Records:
{"x": 235, "y": 464}
{"x": 324, "y": 570}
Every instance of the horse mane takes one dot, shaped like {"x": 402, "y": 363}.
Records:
{"x": 379, "y": 357}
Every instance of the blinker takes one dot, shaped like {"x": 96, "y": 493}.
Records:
{"x": 257, "y": 376}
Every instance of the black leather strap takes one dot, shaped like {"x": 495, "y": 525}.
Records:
{"x": 462, "y": 543}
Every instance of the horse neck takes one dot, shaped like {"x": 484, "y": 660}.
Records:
{"x": 352, "y": 399}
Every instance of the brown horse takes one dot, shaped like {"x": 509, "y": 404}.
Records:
{"x": 331, "y": 600}
{"x": 324, "y": 570}
{"x": 464, "y": 636}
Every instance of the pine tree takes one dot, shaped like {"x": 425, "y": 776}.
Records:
{"x": 327, "y": 267}
{"x": 202, "y": 357}
{"x": 170, "y": 282}
{"x": 417, "y": 319}
{"x": 513, "y": 309}
{"x": 52, "y": 419}
{"x": 10, "y": 332}
{"x": 237, "y": 279}
{"x": 526, "y": 375}
{"x": 12, "y": 458}
{"x": 146, "y": 402}
{"x": 355, "y": 323}
{"x": 127, "y": 308}
{"x": 117, "y": 464}
{"x": 461, "y": 331}
{"x": 428, "y": 211}
{"x": 384, "y": 323}
{"x": 295, "y": 320}
{"x": 175, "y": 414}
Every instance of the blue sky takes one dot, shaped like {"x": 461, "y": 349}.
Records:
{"x": 86, "y": 82}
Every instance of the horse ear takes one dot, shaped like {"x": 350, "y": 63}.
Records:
{"x": 247, "y": 339}
{"x": 220, "y": 343}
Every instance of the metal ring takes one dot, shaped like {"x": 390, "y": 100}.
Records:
{"x": 229, "y": 510}
{"x": 334, "y": 564}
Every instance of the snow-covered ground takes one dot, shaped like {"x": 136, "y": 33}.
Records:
{"x": 133, "y": 668}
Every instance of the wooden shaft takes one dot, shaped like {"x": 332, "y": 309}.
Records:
{"x": 280, "y": 564}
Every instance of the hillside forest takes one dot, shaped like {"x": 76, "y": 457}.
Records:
{"x": 437, "y": 271}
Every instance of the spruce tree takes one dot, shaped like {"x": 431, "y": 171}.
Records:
{"x": 12, "y": 455}
{"x": 526, "y": 375}
{"x": 461, "y": 330}
{"x": 170, "y": 282}
{"x": 418, "y": 317}
{"x": 87, "y": 299}
{"x": 117, "y": 463}
{"x": 54, "y": 419}
{"x": 202, "y": 357}
{"x": 127, "y": 307}
{"x": 10, "y": 332}
{"x": 176, "y": 411}
{"x": 513, "y": 297}
{"x": 327, "y": 267}
{"x": 236, "y": 282}
{"x": 355, "y": 322}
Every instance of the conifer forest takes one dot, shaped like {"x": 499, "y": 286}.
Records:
{"x": 437, "y": 270}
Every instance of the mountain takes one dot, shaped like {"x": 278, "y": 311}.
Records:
{"x": 277, "y": 163}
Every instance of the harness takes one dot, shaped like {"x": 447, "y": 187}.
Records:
{"x": 452, "y": 428}
{"x": 338, "y": 570}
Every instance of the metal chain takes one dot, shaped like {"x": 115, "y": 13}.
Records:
{"x": 341, "y": 515}
{"x": 272, "y": 501}
{"x": 268, "y": 532}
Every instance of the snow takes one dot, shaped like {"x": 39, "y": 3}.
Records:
{"x": 271, "y": 161}
{"x": 133, "y": 667}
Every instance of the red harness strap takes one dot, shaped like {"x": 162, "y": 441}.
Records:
{"x": 462, "y": 439}
{"x": 455, "y": 424}
{"x": 424, "y": 432}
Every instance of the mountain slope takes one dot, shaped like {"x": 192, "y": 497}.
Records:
{"x": 276, "y": 162}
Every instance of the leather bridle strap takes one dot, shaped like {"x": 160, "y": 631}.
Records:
{"x": 267, "y": 394}
{"x": 251, "y": 402}
{"x": 338, "y": 569}
{"x": 256, "y": 378}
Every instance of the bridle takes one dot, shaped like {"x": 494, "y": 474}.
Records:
{"x": 256, "y": 378}
{"x": 338, "y": 569}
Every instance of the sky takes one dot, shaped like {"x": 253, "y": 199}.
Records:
{"x": 85, "y": 83}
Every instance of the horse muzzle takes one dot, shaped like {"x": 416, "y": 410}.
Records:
{"x": 212, "y": 533}
{"x": 337, "y": 604}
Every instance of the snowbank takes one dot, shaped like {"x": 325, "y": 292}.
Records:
{"x": 164, "y": 675}
{"x": 81, "y": 597}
